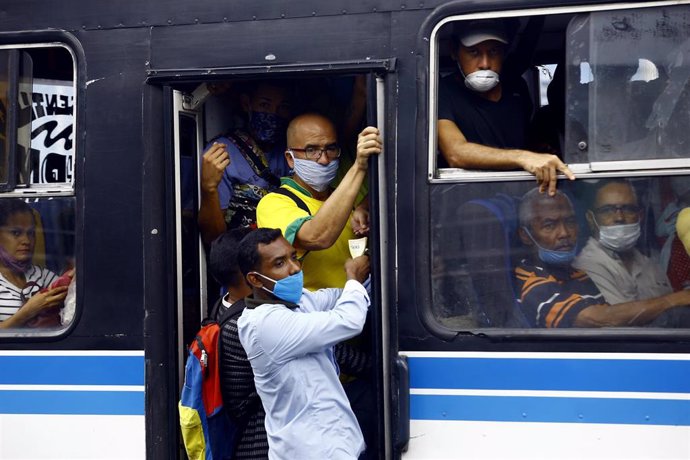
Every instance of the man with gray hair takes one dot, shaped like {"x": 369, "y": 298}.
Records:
{"x": 552, "y": 292}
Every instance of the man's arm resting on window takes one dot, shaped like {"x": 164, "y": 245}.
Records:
{"x": 459, "y": 153}
{"x": 636, "y": 313}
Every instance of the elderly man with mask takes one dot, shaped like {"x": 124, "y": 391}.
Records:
{"x": 483, "y": 115}
{"x": 620, "y": 271}
{"x": 314, "y": 219}
{"x": 552, "y": 292}
{"x": 321, "y": 232}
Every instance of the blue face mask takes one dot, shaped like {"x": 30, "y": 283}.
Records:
{"x": 289, "y": 288}
{"x": 314, "y": 174}
{"x": 551, "y": 257}
{"x": 267, "y": 127}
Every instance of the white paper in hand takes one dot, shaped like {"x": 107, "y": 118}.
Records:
{"x": 358, "y": 246}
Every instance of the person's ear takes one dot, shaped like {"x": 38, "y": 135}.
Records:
{"x": 524, "y": 237}
{"x": 290, "y": 160}
{"x": 254, "y": 280}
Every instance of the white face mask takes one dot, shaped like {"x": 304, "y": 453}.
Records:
{"x": 619, "y": 238}
{"x": 482, "y": 80}
{"x": 316, "y": 175}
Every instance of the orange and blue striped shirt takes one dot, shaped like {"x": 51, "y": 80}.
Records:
{"x": 554, "y": 296}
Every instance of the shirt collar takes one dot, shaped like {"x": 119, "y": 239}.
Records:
{"x": 290, "y": 182}
{"x": 251, "y": 303}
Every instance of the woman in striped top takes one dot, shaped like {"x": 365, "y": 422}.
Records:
{"x": 24, "y": 301}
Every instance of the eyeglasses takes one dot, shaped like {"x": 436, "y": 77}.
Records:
{"x": 314, "y": 153}
{"x": 629, "y": 211}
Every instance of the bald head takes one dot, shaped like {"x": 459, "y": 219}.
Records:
{"x": 309, "y": 125}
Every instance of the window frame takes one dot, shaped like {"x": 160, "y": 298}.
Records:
{"x": 446, "y": 175}
{"x": 68, "y": 189}
{"x": 592, "y": 170}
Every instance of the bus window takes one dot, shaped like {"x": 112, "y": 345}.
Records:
{"x": 617, "y": 244}
{"x": 4, "y": 141}
{"x": 621, "y": 235}
{"x": 628, "y": 95}
{"x": 36, "y": 248}
{"x": 37, "y": 198}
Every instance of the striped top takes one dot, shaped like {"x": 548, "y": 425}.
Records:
{"x": 37, "y": 278}
{"x": 554, "y": 296}
{"x": 240, "y": 398}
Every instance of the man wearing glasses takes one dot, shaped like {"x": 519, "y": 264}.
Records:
{"x": 314, "y": 217}
{"x": 553, "y": 294}
{"x": 620, "y": 271}
{"x": 320, "y": 234}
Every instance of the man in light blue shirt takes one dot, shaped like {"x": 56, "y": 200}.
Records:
{"x": 288, "y": 333}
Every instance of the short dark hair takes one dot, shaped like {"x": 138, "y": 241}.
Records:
{"x": 222, "y": 259}
{"x": 11, "y": 206}
{"x": 249, "y": 258}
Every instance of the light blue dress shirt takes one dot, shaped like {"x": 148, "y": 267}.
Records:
{"x": 308, "y": 415}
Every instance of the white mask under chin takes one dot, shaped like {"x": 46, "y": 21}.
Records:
{"x": 481, "y": 80}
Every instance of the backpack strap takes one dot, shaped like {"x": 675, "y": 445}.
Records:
{"x": 298, "y": 201}
{"x": 247, "y": 151}
{"x": 213, "y": 312}
{"x": 300, "y": 204}
{"x": 233, "y": 311}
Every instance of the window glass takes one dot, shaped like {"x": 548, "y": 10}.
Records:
{"x": 49, "y": 102}
{"x": 4, "y": 120}
{"x": 628, "y": 85}
{"x": 487, "y": 272}
{"x": 37, "y": 226}
{"x": 36, "y": 247}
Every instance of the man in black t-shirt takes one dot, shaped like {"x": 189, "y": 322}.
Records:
{"x": 482, "y": 120}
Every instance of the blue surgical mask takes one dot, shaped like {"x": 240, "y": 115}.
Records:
{"x": 551, "y": 257}
{"x": 314, "y": 174}
{"x": 267, "y": 127}
{"x": 288, "y": 289}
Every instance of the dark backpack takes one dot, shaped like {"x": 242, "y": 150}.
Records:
{"x": 208, "y": 432}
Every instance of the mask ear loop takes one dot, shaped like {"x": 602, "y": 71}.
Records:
{"x": 266, "y": 277}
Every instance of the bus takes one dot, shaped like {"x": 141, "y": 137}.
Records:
{"x": 105, "y": 112}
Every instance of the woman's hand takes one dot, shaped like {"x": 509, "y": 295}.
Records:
{"x": 36, "y": 305}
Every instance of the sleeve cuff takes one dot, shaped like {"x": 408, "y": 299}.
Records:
{"x": 354, "y": 285}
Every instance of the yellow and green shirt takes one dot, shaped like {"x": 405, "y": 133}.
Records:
{"x": 322, "y": 269}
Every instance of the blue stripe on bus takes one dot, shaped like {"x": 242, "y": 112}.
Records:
{"x": 550, "y": 410}
{"x": 72, "y": 402}
{"x": 666, "y": 376}
{"x": 72, "y": 370}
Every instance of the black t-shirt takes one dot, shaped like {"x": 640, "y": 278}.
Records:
{"x": 501, "y": 124}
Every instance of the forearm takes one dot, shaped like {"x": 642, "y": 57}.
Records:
{"x": 321, "y": 231}
{"x": 13, "y": 321}
{"x": 19, "y": 319}
{"x": 636, "y": 313}
{"x": 469, "y": 155}
{"x": 211, "y": 220}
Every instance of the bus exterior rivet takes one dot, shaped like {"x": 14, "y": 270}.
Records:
{"x": 270, "y": 57}
{"x": 582, "y": 145}
{"x": 154, "y": 231}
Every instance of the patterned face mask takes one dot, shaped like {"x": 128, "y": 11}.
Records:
{"x": 267, "y": 127}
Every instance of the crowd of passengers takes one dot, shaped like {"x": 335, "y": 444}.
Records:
{"x": 283, "y": 196}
